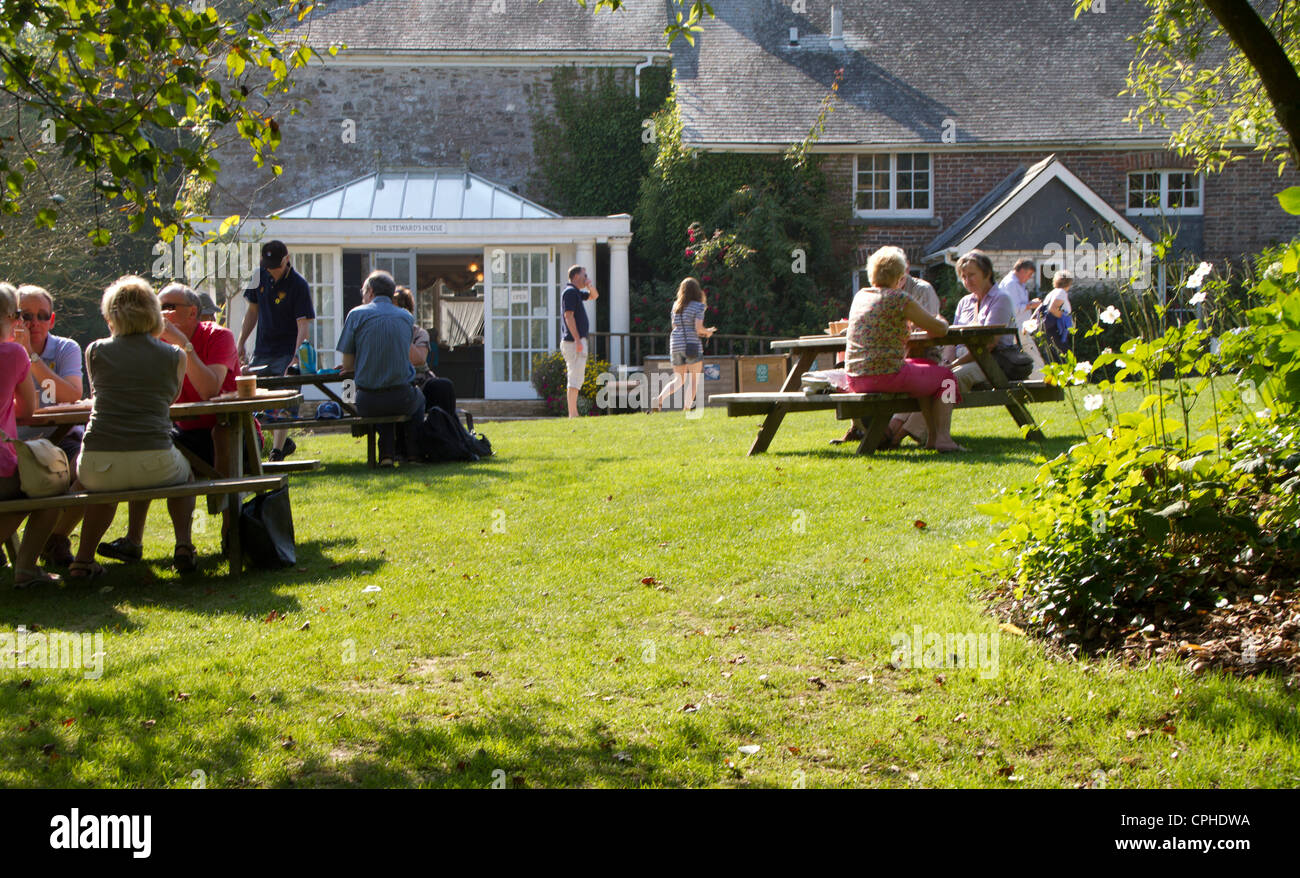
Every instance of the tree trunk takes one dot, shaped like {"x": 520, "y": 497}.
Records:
{"x": 1253, "y": 38}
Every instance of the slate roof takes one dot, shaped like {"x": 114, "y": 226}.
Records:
{"x": 525, "y": 26}
{"x": 1005, "y": 71}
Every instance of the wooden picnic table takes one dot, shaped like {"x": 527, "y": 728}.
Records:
{"x": 321, "y": 381}
{"x": 866, "y": 409}
{"x": 243, "y": 460}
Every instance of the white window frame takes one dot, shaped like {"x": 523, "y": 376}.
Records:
{"x": 892, "y": 210}
{"x": 1163, "y": 209}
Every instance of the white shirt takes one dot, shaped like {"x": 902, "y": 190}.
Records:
{"x": 1057, "y": 295}
{"x": 1012, "y": 286}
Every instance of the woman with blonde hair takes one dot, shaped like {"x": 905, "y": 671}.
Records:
{"x": 685, "y": 349}
{"x": 18, "y": 399}
{"x": 135, "y": 377}
{"x": 876, "y": 358}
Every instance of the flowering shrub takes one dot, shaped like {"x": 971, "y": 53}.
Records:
{"x": 550, "y": 380}
{"x": 1153, "y": 515}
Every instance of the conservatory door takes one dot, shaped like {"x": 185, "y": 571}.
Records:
{"x": 519, "y": 318}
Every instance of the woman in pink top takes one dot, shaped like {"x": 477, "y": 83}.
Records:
{"x": 18, "y": 398}
{"x": 875, "y": 355}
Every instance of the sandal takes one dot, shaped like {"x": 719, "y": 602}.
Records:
{"x": 28, "y": 578}
{"x": 185, "y": 559}
{"x": 85, "y": 571}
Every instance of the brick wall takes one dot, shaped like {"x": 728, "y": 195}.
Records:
{"x": 422, "y": 117}
{"x": 1241, "y": 212}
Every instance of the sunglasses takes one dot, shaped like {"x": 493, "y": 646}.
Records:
{"x": 43, "y": 317}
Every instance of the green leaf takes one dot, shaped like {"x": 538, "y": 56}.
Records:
{"x": 1289, "y": 198}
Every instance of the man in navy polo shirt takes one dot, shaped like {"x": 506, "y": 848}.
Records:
{"x": 376, "y": 342}
{"x": 280, "y": 306}
{"x": 573, "y": 345}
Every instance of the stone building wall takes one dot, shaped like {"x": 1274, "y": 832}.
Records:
{"x": 353, "y": 121}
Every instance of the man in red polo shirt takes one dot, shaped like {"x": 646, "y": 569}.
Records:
{"x": 211, "y": 367}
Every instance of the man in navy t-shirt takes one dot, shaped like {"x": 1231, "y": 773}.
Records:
{"x": 280, "y": 306}
{"x": 573, "y": 345}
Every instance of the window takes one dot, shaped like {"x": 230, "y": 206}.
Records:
{"x": 898, "y": 185}
{"x": 1151, "y": 193}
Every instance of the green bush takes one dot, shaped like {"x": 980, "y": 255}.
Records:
{"x": 1152, "y": 512}
{"x": 550, "y": 380}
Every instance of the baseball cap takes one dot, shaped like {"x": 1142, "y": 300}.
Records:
{"x": 273, "y": 253}
{"x": 207, "y": 307}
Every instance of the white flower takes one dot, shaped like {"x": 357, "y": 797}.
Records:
{"x": 1110, "y": 315}
{"x": 1198, "y": 277}
{"x": 1121, "y": 364}
{"x": 1029, "y": 327}
{"x": 1084, "y": 366}
{"x": 1107, "y": 351}
{"x": 1197, "y": 299}
{"x": 1274, "y": 272}
{"x": 1092, "y": 402}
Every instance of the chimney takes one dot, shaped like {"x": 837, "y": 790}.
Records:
{"x": 837, "y": 28}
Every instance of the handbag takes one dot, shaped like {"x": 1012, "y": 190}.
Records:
{"x": 1014, "y": 362}
{"x": 266, "y": 530}
{"x": 43, "y": 469}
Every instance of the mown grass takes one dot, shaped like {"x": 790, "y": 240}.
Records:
{"x": 514, "y": 641}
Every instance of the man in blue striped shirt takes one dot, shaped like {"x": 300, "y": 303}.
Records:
{"x": 376, "y": 343}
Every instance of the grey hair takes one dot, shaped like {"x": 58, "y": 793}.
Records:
{"x": 191, "y": 297}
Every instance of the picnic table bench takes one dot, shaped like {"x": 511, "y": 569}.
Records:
{"x": 871, "y": 411}
{"x": 245, "y": 474}
{"x": 359, "y": 424}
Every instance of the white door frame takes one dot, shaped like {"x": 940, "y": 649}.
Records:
{"x": 513, "y": 389}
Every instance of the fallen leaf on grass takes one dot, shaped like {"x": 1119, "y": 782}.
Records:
{"x": 1012, "y": 629}
{"x": 919, "y": 524}
{"x": 919, "y": 718}
{"x": 149, "y": 723}
{"x": 1133, "y": 736}
{"x": 959, "y": 718}
{"x": 749, "y": 749}
{"x": 273, "y": 616}
{"x": 304, "y": 626}
{"x": 25, "y": 684}
{"x": 688, "y": 708}
{"x": 649, "y": 580}
{"x": 69, "y": 721}
{"x": 818, "y": 682}
{"x": 481, "y": 674}
{"x": 287, "y": 742}
{"x": 47, "y": 749}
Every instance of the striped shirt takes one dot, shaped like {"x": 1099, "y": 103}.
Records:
{"x": 684, "y": 335}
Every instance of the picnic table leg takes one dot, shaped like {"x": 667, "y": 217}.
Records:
{"x": 235, "y": 438}
{"x": 1020, "y": 412}
{"x": 806, "y": 359}
{"x": 371, "y": 434}
{"x": 873, "y": 432}
{"x": 770, "y": 425}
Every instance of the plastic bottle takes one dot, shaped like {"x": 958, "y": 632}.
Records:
{"x": 307, "y": 358}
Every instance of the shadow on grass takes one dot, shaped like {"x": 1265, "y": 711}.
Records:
{"x": 980, "y": 450}
{"x": 510, "y": 751}
{"x": 1229, "y": 708}
{"x": 80, "y": 607}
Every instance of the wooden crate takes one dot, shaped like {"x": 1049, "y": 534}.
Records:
{"x": 719, "y": 377}
{"x": 762, "y": 373}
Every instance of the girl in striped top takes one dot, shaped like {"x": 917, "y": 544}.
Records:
{"x": 685, "y": 349}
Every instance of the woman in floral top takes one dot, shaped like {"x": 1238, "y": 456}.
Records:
{"x": 877, "y": 340}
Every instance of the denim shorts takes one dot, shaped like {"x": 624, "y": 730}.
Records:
{"x": 692, "y": 354}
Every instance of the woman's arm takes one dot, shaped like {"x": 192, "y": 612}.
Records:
{"x": 703, "y": 331}
{"x": 931, "y": 323}
{"x": 1058, "y": 307}
{"x": 25, "y": 401}
{"x": 419, "y": 352}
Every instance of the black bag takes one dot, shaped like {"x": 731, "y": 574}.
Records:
{"x": 266, "y": 529}
{"x": 442, "y": 438}
{"x": 1014, "y": 362}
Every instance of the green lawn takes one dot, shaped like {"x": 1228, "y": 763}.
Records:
{"x": 513, "y": 640}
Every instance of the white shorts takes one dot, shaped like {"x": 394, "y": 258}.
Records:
{"x": 124, "y": 470}
{"x": 576, "y": 363}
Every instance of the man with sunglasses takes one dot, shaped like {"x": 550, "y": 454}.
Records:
{"x": 211, "y": 366}
{"x": 280, "y": 308}
{"x": 56, "y": 372}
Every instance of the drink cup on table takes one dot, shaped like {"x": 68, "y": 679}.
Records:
{"x": 246, "y": 386}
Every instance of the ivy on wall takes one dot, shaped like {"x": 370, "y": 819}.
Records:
{"x": 589, "y": 147}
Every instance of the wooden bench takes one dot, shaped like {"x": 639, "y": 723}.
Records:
{"x": 873, "y": 410}
{"x": 208, "y": 487}
{"x": 291, "y": 466}
{"x": 367, "y": 427}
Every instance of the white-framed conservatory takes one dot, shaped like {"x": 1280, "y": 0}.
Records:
{"x": 482, "y": 262}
